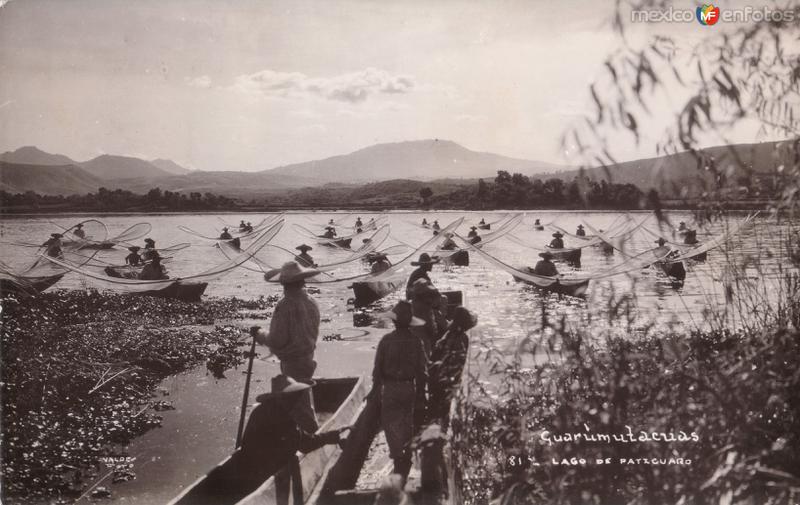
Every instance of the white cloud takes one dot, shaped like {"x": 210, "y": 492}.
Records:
{"x": 202, "y": 81}
{"x": 353, "y": 87}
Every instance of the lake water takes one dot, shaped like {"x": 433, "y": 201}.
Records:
{"x": 201, "y": 429}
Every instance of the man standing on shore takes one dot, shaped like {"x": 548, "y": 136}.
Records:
{"x": 293, "y": 333}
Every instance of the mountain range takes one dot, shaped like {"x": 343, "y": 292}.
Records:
{"x": 30, "y": 169}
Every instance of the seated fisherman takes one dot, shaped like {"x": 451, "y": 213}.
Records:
{"x": 424, "y": 222}
{"x": 248, "y": 227}
{"x": 53, "y": 245}
{"x": 225, "y": 235}
{"x": 580, "y": 231}
{"x": 359, "y": 224}
{"x": 149, "y": 249}
{"x": 133, "y": 259}
{"x": 242, "y": 226}
{"x": 691, "y": 237}
{"x": 78, "y": 231}
{"x": 270, "y": 443}
{"x": 545, "y": 266}
{"x": 482, "y": 221}
{"x": 449, "y": 244}
{"x": 153, "y": 271}
{"x": 380, "y": 263}
{"x": 436, "y": 225}
{"x": 557, "y": 242}
{"x": 304, "y": 259}
{"x": 330, "y": 232}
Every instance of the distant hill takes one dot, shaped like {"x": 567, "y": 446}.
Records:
{"x": 232, "y": 184}
{"x": 30, "y": 155}
{"x": 170, "y": 166}
{"x": 679, "y": 174}
{"x": 108, "y": 166}
{"x": 47, "y": 180}
{"x": 420, "y": 160}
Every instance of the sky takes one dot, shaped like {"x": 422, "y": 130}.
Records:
{"x": 251, "y": 85}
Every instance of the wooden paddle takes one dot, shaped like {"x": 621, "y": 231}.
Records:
{"x": 246, "y": 394}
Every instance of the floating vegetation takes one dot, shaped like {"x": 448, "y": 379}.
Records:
{"x": 79, "y": 373}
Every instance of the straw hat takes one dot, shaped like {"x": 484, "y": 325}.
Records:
{"x": 289, "y": 273}
{"x": 304, "y": 248}
{"x": 463, "y": 318}
{"x": 402, "y": 314}
{"x": 425, "y": 259}
{"x": 79, "y": 225}
{"x": 134, "y": 248}
{"x": 149, "y": 241}
{"x": 473, "y": 227}
{"x": 376, "y": 256}
{"x": 283, "y": 385}
{"x": 56, "y": 235}
{"x": 580, "y": 226}
{"x": 558, "y": 234}
{"x": 546, "y": 255}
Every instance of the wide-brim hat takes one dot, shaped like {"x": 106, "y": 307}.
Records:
{"x": 580, "y": 226}
{"x": 558, "y": 234}
{"x": 463, "y": 318}
{"x": 283, "y": 385}
{"x": 659, "y": 241}
{"x": 304, "y": 248}
{"x": 546, "y": 255}
{"x": 402, "y": 313}
{"x": 425, "y": 259}
{"x": 56, "y": 235}
{"x": 79, "y": 225}
{"x": 149, "y": 241}
{"x": 134, "y": 248}
{"x": 473, "y": 227}
{"x": 376, "y": 256}
{"x": 290, "y": 272}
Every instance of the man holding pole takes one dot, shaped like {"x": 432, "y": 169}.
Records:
{"x": 293, "y": 333}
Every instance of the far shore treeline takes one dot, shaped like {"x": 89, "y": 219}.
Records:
{"x": 506, "y": 191}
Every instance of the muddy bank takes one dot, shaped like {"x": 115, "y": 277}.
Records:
{"x": 79, "y": 377}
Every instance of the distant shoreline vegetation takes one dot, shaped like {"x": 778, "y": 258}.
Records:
{"x": 507, "y": 191}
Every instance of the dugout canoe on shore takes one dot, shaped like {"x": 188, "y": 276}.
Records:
{"x": 337, "y": 403}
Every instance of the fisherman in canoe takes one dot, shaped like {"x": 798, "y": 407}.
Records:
{"x": 557, "y": 242}
{"x": 537, "y": 225}
{"x": 380, "y": 263}
{"x": 330, "y": 232}
{"x": 424, "y": 222}
{"x": 273, "y": 436}
{"x": 78, "y": 231}
{"x": 399, "y": 377}
{"x": 53, "y": 245}
{"x": 225, "y": 235}
{"x": 242, "y": 226}
{"x": 133, "y": 259}
{"x": 448, "y": 244}
{"x": 436, "y": 226}
{"x": 473, "y": 236}
{"x": 682, "y": 227}
{"x": 545, "y": 266}
{"x": 424, "y": 265}
{"x": 154, "y": 270}
{"x": 580, "y": 231}
{"x": 304, "y": 259}
{"x": 447, "y": 364}
{"x": 293, "y": 333}
{"x": 248, "y": 227}
{"x": 149, "y": 249}
{"x": 359, "y": 224}
{"x": 691, "y": 238}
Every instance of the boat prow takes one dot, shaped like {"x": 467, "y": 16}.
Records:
{"x": 576, "y": 289}
{"x": 339, "y": 399}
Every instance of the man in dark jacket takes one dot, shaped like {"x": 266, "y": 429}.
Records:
{"x": 270, "y": 443}
{"x": 424, "y": 265}
{"x": 304, "y": 259}
{"x": 557, "y": 242}
{"x": 545, "y": 266}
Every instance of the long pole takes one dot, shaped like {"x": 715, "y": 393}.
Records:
{"x": 246, "y": 392}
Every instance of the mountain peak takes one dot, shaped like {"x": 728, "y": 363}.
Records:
{"x": 170, "y": 166}
{"x": 32, "y": 155}
{"x": 424, "y": 159}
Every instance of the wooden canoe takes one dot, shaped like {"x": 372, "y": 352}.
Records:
{"x": 538, "y": 228}
{"x": 459, "y": 258}
{"x": 370, "y": 292}
{"x": 676, "y": 270}
{"x": 576, "y": 290}
{"x": 485, "y": 226}
{"x": 337, "y": 399}
{"x": 186, "y": 291}
{"x": 336, "y": 242}
{"x": 26, "y": 286}
{"x": 568, "y": 255}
